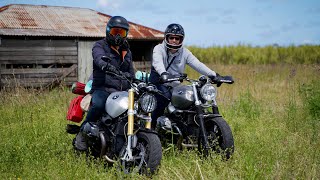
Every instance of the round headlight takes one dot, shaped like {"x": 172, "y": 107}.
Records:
{"x": 208, "y": 92}
{"x": 148, "y": 102}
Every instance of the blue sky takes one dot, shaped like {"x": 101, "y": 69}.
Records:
{"x": 213, "y": 22}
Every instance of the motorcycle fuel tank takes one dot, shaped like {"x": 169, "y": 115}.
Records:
{"x": 182, "y": 97}
{"x": 117, "y": 103}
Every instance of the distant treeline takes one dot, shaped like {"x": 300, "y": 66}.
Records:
{"x": 246, "y": 54}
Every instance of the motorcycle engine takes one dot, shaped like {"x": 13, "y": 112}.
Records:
{"x": 182, "y": 97}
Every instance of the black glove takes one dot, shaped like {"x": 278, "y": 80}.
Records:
{"x": 110, "y": 68}
{"x": 164, "y": 77}
{"x": 216, "y": 79}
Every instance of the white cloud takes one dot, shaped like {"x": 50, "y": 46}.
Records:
{"x": 103, "y": 3}
{"x": 308, "y": 41}
{"x": 110, "y": 4}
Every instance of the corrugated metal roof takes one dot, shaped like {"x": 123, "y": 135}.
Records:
{"x": 40, "y": 20}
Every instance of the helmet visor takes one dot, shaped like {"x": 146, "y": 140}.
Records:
{"x": 115, "y": 31}
{"x": 177, "y": 38}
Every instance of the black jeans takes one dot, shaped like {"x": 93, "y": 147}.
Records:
{"x": 162, "y": 103}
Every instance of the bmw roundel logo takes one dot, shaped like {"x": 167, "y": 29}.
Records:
{"x": 115, "y": 97}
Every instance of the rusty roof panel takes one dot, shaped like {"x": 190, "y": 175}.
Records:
{"x": 40, "y": 20}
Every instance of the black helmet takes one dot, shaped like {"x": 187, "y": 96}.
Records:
{"x": 116, "y": 22}
{"x": 174, "y": 29}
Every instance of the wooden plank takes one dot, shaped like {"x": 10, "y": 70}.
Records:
{"x": 35, "y": 71}
{"x": 142, "y": 65}
{"x": 37, "y": 53}
{"x": 65, "y": 74}
{"x": 34, "y": 82}
{"x": 84, "y": 60}
{"x": 21, "y": 76}
{"x": 38, "y": 59}
{"x": 43, "y": 43}
{"x": 38, "y": 48}
{"x": 53, "y": 61}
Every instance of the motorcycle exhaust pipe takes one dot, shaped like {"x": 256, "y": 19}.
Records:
{"x": 108, "y": 159}
{"x": 104, "y": 149}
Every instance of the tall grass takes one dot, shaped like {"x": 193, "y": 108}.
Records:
{"x": 273, "y": 111}
{"x": 246, "y": 54}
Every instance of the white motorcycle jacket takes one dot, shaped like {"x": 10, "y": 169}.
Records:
{"x": 161, "y": 59}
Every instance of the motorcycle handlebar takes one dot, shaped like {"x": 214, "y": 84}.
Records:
{"x": 223, "y": 79}
{"x": 174, "y": 78}
{"x": 214, "y": 80}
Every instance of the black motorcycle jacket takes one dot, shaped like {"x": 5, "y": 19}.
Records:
{"x": 122, "y": 61}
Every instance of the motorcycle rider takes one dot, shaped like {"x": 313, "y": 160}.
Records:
{"x": 170, "y": 58}
{"x": 116, "y": 48}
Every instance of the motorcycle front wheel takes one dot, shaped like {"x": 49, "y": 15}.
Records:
{"x": 147, "y": 155}
{"x": 220, "y": 137}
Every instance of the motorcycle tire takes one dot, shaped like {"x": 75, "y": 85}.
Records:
{"x": 220, "y": 137}
{"x": 150, "y": 145}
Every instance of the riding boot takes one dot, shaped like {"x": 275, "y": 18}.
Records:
{"x": 80, "y": 142}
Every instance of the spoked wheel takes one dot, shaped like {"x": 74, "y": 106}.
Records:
{"x": 146, "y": 155}
{"x": 220, "y": 137}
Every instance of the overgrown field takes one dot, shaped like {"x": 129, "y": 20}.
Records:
{"x": 273, "y": 110}
{"x": 246, "y": 54}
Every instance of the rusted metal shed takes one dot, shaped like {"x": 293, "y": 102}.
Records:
{"x": 40, "y": 45}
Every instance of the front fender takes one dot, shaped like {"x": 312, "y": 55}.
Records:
{"x": 210, "y": 116}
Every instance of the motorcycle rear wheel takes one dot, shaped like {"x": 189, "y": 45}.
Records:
{"x": 147, "y": 155}
{"x": 220, "y": 137}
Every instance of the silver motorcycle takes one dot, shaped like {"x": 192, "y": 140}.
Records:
{"x": 123, "y": 134}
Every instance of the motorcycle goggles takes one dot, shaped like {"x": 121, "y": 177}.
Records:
{"x": 115, "y": 31}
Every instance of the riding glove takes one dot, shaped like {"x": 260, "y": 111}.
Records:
{"x": 110, "y": 68}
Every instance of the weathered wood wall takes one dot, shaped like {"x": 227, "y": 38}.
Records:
{"x": 85, "y": 60}
{"x": 37, "y": 63}
{"x": 141, "y": 53}
{"x": 45, "y": 62}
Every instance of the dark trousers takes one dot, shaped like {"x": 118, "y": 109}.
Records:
{"x": 162, "y": 103}
{"x": 97, "y": 107}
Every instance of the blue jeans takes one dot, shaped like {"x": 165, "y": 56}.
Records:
{"x": 162, "y": 103}
{"x": 97, "y": 107}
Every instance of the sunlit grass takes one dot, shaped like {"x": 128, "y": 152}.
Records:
{"x": 246, "y": 54}
{"x": 272, "y": 110}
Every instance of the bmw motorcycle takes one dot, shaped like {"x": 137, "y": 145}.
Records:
{"x": 192, "y": 118}
{"x": 123, "y": 134}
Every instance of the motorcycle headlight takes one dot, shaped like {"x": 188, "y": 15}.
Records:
{"x": 208, "y": 92}
{"x": 148, "y": 102}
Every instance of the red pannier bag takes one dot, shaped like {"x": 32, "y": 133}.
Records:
{"x": 75, "y": 113}
{"x": 78, "y": 88}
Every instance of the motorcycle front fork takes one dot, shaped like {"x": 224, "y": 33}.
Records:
{"x": 128, "y": 153}
{"x": 202, "y": 132}
{"x": 215, "y": 110}
{"x": 132, "y": 138}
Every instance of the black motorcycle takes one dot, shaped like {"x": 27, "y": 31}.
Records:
{"x": 123, "y": 134}
{"x": 192, "y": 118}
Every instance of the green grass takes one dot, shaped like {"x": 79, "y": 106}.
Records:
{"x": 273, "y": 111}
{"x": 246, "y": 54}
